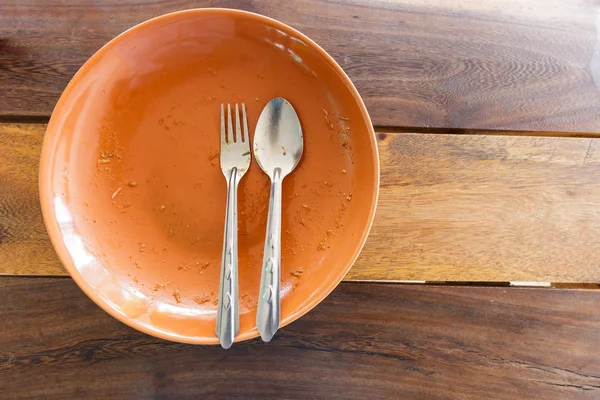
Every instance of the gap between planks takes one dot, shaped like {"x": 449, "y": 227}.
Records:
{"x": 539, "y": 285}
{"x": 482, "y": 132}
{"x": 44, "y": 119}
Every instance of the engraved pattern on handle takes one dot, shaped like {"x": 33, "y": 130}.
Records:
{"x": 268, "y": 315}
{"x": 228, "y": 324}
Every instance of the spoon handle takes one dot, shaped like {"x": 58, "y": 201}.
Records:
{"x": 228, "y": 322}
{"x": 267, "y": 316}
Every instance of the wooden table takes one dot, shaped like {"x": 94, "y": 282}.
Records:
{"x": 487, "y": 117}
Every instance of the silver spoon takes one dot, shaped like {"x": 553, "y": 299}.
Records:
{"x": 278, "y": 145}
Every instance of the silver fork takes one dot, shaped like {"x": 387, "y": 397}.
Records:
{"x": 235, "y": 161}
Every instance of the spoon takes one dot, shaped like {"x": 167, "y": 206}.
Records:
{"x": 278, "y": 145}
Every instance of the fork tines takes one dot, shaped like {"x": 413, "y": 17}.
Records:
{"x": 227, "y": 136}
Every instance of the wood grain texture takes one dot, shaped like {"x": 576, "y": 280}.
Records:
{"x": 24, "y": 243}
{"x": 425, "y": 63}
{"x": 468, "y": 208}
{"x": 364, "y": 341}
{"x": 452, "y": 208}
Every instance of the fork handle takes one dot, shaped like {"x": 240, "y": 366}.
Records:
{"x": 228, "y": 320}
{"x": 267, "y": 315}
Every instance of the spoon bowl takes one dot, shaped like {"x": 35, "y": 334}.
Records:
{"x": 278, "y": 140}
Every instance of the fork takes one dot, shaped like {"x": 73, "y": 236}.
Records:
{"x": 235, "y": 161}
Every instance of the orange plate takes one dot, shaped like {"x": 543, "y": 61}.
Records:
{"x": 131, "y": 187}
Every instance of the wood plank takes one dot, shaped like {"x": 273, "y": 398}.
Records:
{"x": 363, "y": 341}
{"x": 485, "y": 208}
{"x": 425, "y": 63}
{"x": 25, "y": 247}
{"x": 452, "y": 208}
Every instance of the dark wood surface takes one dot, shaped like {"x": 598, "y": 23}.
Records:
{"x": 519, "y": 65}
{"x": 452, "y": 208}
{"x": 365, "y": 341}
